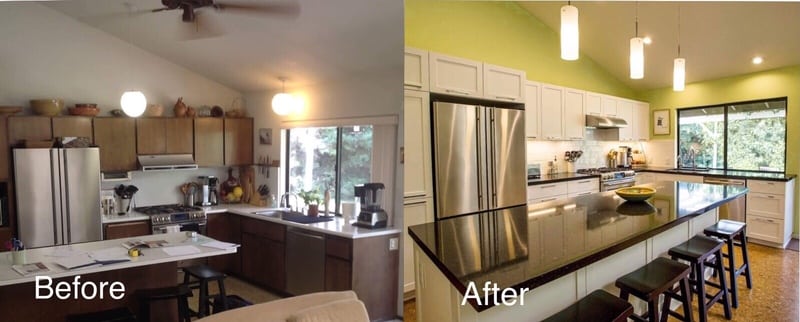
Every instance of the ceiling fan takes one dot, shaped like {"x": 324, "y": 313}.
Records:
{"x": 189, "y": 6}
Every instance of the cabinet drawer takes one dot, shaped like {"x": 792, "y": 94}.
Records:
{"x": 541, "y": 200}
{"x": 583, "y": 185}
{"x": 338, "y": 247}
{"x": 583, "y": 193}
{"x": 771, "y": 187}
{"x": 547, "y": 190}
{"x": 767, "y": 205}
{"x": 264, "y": 229}
{"x": 763, "y": 228}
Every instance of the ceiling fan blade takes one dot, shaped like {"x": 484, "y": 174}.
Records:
{"x": 289, "y": 8}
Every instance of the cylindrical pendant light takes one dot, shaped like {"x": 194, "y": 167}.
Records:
{"x": 283, "y": 103}
{"x": 133, "y": 103}
{"x": 569, "y": 32}
{"x": 637, "y": 58}
{"x": 679, "y": 74}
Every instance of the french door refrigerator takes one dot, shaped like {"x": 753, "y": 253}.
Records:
{"x": 58, "y": 195}
{"x": 479, "y": 158}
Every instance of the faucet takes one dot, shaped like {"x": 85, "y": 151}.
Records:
{"x": 287, "y": 204}
{"x": 692, "y": 157}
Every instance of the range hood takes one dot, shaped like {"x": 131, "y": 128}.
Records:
{"x": 167, "y": 162}
{"x": 605, "y": 122}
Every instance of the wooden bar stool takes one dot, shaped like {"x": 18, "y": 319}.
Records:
{"x": 180, "y": 293}
{"x": 203, "y": 274}
{"x": 697, "y": 251}
{"x": 730, "y": 231}
{"x": 598, "y": 306}
{"x": 656, "y": 278}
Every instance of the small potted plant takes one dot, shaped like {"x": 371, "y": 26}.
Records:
{"x": 312, "y": 199}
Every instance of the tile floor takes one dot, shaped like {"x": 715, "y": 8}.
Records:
{"x": 774, "y": 297}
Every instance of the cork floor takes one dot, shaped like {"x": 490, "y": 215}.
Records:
{"x": 774, "y": 297}
{"x": 234, "y": 286}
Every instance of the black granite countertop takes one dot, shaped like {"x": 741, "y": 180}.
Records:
{"x": 537, "y": 241}
{"x": 755, "y": 175}
{"x": 559, "y": 177}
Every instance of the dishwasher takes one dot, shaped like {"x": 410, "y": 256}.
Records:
{"x": 305, "y": 261}
{"x": 734, "y": 209}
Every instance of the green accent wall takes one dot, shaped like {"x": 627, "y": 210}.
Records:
{"x": 502, "y": 33}
{"x": 767, "y": 84}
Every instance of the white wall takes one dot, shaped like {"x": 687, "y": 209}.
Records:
{"x": 162, "y": 187}
{"x": 46, "y": 54}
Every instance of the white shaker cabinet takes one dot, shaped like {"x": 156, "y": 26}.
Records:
{"x": 641, "y": 121}
{"x": 503, "y": 84}
{"x": 532, "y": 113}
{"x": 551, "y": 109}
{"x": 769, "y": 212}
{"x": 608, "y": 105}
{"x": 415, "y": 69}
{"x": 574, "y": 115}
{"x": 625, "y": 112}
{"x": 455, "y": 76}
{"x": 417, "y": 176}
{"x": 593, "y": 104}
{"x": 416, "y": 211}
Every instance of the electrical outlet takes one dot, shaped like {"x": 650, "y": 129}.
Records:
{"x": 393, "y": 243}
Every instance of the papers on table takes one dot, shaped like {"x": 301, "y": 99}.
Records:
{"x": 74, "y": 262}
{"x": 66, "y": 252}
{"x": 144, "y": 243}
{"x": 181, "y": 250}
{"x": 30, "y": 269}
{"x": 109, "y": 254}
{"x": 94, "y": 258}
{"x": 220, "y": 245}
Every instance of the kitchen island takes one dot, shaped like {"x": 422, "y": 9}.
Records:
{"x": 553, "y": 253}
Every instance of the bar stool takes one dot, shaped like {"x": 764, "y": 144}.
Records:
{"x": 730, "y": 231}
{"x": 181, "y": 293}
{"x": 697, "y": 252}
{"x": 656, "y": 278}
{"x": 121, "y": 314}
{"x": 203, "y": 274}
{"x": 598, "y": 306}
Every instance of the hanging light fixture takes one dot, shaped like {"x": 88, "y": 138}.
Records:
{"x": 679, "y": 67}
{"x": 637, "y": 51}
{"x": 133, "y": 103}
{"x": 569, "y": 32}
{"x": 283, "y": 103}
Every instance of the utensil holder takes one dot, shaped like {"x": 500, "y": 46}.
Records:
{"x": 123, "y": 206}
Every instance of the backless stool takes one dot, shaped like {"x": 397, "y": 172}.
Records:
{"x": 733, "y": 234}
{"x": 697, "y": 251}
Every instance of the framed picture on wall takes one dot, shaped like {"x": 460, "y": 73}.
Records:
{"x": 265, "y": 136}
{"x": 661, "y": 122}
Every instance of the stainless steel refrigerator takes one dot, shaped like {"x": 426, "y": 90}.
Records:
{"x": 479, "y": 158}
{"x": 58, "y": 195}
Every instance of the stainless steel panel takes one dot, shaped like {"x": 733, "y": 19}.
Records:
{"x": 508, "y": 151}
{"x": 461, "y": 244}
{"x": 36, "y": 209}
{"x": 305, "y": 261}
{"x": 512, "y": 234}
{"x": 455, "y": 156}
{"x": 82, "y": 194}
{"x": 734, "y": 209}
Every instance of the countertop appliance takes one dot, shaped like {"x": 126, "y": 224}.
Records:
{"x": 612, "y": 178}
{"x": 479, "y": 158}
{"x": 534, "y": 171}
{"x": 175, "y": 218}
{"x": 372, "y": 214}
{"x": 208, "y": 191}
{"x": 58, "y": 195}
{"x": 624, "y": 157}
{"x": 305, "y": 261}
{"x": 734, "y": 209}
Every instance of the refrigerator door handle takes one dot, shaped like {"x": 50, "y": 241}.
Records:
{"x": 478, "y": 134}
{"x": 65, "y": 196}
{"x": 493, "y": 166}
{"x": 55, "y": 175}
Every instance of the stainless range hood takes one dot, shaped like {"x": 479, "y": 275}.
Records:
{"x": 167, "y": 162}
{"x": 604, "y": 122}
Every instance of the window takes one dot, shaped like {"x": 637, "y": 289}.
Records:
{"x": 748, "y": 136}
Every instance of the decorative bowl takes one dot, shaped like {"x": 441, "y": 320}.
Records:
{"x": 10, "y": 110}
{"x": 154, "y": 110}
{"x": 84, "y": 110}
{"x": 47, "y": 107}
{"x": 636, "y": 208}
{"x": 635, "y": 193}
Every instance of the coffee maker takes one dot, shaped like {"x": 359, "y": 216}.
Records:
{"x": 208, "y": 192}
{"x": 370, "y": 197}
{"x": 624, "y": 157}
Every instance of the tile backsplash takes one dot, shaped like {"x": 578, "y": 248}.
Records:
{"x": 162, "y": 187}
{"x": 595, "y": 147}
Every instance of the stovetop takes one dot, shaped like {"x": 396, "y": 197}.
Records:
{"x": 602, "y": 170}
{"x": 610, "y": 174}
{"x": 167, "y": 209}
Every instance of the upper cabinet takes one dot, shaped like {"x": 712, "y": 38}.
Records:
{"x": 416, "y": 69}
{"x": 418, "y": 180}
{"x": 80, "y": 126}
{"x": 532, "y": 112}
{"x": 238, "y": 141}
{"x": 208, "y": 141}
{"x": 116, "y": 137}
{"x": 164, "y": 136}
{"x": 593, "y": 104}
{"x": 551, "y": 107}
{"x": 608, "y": 105}
{"x": 28, "y": 128}
{"x": 625, "y": 112}
{"x": 574, "y": 115}
{"x": 455, "y": 76}
{"x": 641, "y": 119}
{"x": 504, "y": 84}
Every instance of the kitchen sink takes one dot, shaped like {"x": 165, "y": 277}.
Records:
{"x": 292, "y": 216}
{"x": 690, "y": 169}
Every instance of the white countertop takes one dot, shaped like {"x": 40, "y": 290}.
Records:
{"x": 46, "y": 255}
{"x": 338, "y": 226}
{"x": 130, "y": 216}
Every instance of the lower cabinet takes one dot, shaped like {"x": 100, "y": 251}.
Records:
{"x": 263, "y": 253}
{"x": 225, "y": 227}
{"x": 126, "y": 229}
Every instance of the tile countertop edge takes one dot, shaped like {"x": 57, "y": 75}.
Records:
{"x": 350, "y": 231}
{"x": 754, "y": 176}
{"x": 569, "y": 267}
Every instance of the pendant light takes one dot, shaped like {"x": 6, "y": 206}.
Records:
{"x": 569, "y": 32}
{"x": 679, "y": 67}
{"x": 637, "y": 51}
{"x": 133, "y": 102}
{"x": 283, "y": 103}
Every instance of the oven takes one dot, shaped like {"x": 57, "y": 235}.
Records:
{"x": 175, "y": 218}
{"x": 611, "y": 185}
{"x": 200, "y": 228}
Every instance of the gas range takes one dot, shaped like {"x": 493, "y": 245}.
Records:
{"x": 177, "y": 216}
{"x": 612, "y": 178}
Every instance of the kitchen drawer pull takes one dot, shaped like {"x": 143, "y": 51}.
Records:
{"x": 771, "y": 197}
{"x": 415, "y": 85}
{"x": 584, "y": 193}
{"x": 455, "y": 91}
{"x": 415, "y": 203}
{"x": 547, "y": 186}
{"x": 548, "y": 199}
{"x": 584, "y": 181}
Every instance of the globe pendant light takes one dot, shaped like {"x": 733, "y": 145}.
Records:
{"x": 283, "y": 103}
{"x": 679, "y": 66}
{"x": 133, "y": 103}
{"x": 637, "y": 51}
{"x": 569, "y": 32}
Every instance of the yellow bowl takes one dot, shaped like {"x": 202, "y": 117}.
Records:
{"x": 635, "y": 193}
{"x": 47, "y": 107}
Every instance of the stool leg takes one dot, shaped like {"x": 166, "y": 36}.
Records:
{"x": 144, "y": 310}
{"x": 221, "y": 284}
{"x": 743, "y": 240}
{"x": 665, "y": 307}
{"x": 701, "y": 290}
{"x": 686, "y": 299}
{"x": 202, "y": 305}
{"x": 183, "y": 309}
{"x": 732, "y": 272}
{"x": 721, "y": 269}
{"x": 652, "y": 310}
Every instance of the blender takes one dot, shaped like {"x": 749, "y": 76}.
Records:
{"x": 370, "y": 197}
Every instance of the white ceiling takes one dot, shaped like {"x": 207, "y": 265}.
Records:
{"x": 718, "y": 39}
{"x": 326, "y": 41}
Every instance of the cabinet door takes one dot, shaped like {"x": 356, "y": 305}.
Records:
{"x": 415, "y": 212}
{"x": 609, "y": 105}
{"x": 253, "y": 260}
{"x": 415, "y": 68}
{"x": 5, "y": 167}
{"x": 218, "y": 226}
{"x": 151, "y": 135}
{"x": 238, "y": 141}
{"x": 641, "y": 119}
{"x": 72, "y": 126}
{"x": 551, "y": 109}
{"x": 208, "y": 142}
{"x": 275, "y": 268}
{"x": 574, "y": 116}
{"x": 766, "y": 205}
{"x": 764, "y": 228}
{"x": 417, "y": 177}
{"x": 116, "y": 138}
{"x": 505, "y": 84}
{"x": 31, "y": 128}
{"x": 455, "y": 76}
{"x": 126, "y": 229}
{"x": 625, "y": 112}
{"x": 593, "y": 105}
{"x": 338, "y": 274}
{"x": 532, "y": 112}
{"x": 179, "y": 135}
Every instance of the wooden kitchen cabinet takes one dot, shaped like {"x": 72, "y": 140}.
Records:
{"x": 263, "y": 251}
{"x": 418, "y": 180}
{"x": 32, "y": 128}
{"x": 574, "y": 115}
{"x": 164, "y": 136}
{"x": 116, "y": 137}
{"x": 551, "y": 107}
{"x": 5, "y": 161}
{"x": 415, "y": 67}
{"x": 455, "y": 76}
{"x": 503, "y": 84}
{"x": 225, "y": 227}
{"x": 79, "y": 126}
{"x": 126, "y": 229}
{"x": 593, "y": 104}
{"x": 769, "y": 210}
{"x": 533, "y": 113}
{"x": 209, "y": 137}
{"x": 641, "y": 121}
{"x": 238, "y": 141}
{"x": 608, "y": 104}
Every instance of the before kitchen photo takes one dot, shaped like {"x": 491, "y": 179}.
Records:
{"x": 187, "y": 160}
{"x": 601, "y": 161}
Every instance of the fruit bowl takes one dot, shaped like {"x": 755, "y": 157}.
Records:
{"x": 635, "y": 193}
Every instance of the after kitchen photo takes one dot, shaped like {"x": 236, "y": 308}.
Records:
{"x": 186, "y": 160}
{"x": 601, "y": 161}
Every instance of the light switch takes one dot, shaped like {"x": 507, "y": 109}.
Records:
{"x": 393, "y": 243}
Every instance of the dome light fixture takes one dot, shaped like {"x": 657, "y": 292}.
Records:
{"x": 133, "y": 103}
{"x": 569, "y": 32}
{"x": 283, "y": 103}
